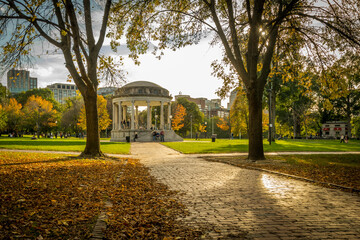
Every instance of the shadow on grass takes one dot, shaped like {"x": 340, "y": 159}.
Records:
{"x": 49, "y": 143}
{"x": 42, "y": 143}
{"x": 67, "y": 159}
{"x": 230, "y": 148}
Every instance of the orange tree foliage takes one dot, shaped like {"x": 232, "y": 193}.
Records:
{"x": 179, "y": 116}
{"x": 104, "y": 118}
{"x": 39, "y": 113}
{"x": 222, "y": 124}
{"x": 202, "y": 128}
{"x": 14, "y": 114}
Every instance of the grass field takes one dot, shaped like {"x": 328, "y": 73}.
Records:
{"x": 236, "y": 145}
{"x": 60, "y": 144}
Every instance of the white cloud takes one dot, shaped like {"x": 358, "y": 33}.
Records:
{"x": 43, "y": 72}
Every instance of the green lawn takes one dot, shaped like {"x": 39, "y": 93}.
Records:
{"x": 236, "y": 145}
{"x": 60, "y": 144}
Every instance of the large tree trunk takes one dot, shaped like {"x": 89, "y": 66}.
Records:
{"x": 92, "y": 148}
{"x": 297, "y": 126}
{"x": 256, "y": 150}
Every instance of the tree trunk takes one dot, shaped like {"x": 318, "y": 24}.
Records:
{"x": 297, "y": 126}
{"x": 256, "y": 150}
{"x": 92, "y": 148}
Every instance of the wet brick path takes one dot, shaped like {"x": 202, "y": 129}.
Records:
{"x": 237, "y": 203}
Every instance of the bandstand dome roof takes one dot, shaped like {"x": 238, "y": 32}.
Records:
{"x": 142, "y": 88}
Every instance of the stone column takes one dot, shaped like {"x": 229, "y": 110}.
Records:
{"x": 169, "y": 113}
{"x": 114, "y": 116}
{"x": 132, "y": 121}
{"x": 148, "y": 121}
{"x": 124, "y": 115}
{"x": 137, "y": 117}
{"x": 162, "y": 115}
{"x": 120, "y": 116}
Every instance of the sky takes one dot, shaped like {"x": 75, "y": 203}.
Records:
{"x": 186, "y": 70}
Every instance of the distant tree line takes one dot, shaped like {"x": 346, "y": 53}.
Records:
{"x": 37, "y": 112}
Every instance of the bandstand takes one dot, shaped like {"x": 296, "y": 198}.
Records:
{"x": 126, "y": 103}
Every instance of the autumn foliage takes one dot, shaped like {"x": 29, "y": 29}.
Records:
{"x": 223, "y": 125}
{"x": 202, "y": 128}
{"x": 14, "y": 114}
{"x": 39, "y": 112}
{"x": 179, "y": 116}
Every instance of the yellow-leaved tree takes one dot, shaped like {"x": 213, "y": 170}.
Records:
{"x": 179, "y": 116}
{"x": 202, "y": 128}
{"x": 14, "y": 115}
{"x": 239, "y": 114}
{"x": 223, "y": 125}
{"x": 39, "y": 114}
{"x": 3, "y": 119}
{"x": 104, "y": 118}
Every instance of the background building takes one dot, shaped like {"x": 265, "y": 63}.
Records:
{"x": 210, "y": 108}
{"x": 106, "y": 91}
{"x": 335, "y": 129}
{"x": 62, "y": 91}
{"x": 232, "y": 98}
{"x": 20, "y": 81}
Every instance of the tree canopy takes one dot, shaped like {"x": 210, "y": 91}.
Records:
{"x": 39, "y": 113}
{"x": 44, "y": 93}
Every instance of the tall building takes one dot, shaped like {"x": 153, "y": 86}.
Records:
{"x": 232, "y": 98}
{"x": 62, "y": 91}
{"x": 20, "y": 81}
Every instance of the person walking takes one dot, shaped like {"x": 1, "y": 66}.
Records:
{"x": 154, "y": 136}
{"x": 162, "y": 136}
{"x": 342, "y": 139}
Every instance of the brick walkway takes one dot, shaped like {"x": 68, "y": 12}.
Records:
{"x": 234, "y": 202}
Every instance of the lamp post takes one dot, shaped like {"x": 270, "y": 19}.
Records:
{"x": 212, "y": 125}
{"x": 270, "y": 124}
{"x": 191, "y": 126}
{"x": 205, "y": 129}
{"x": 170, "y": 121}
{"x": 155, "y": 118}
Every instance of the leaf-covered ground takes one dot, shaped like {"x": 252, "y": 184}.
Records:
{"x": 48, "y": 196}
{"x": 342, "y": 169}
{"x": 51, "y": 196}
